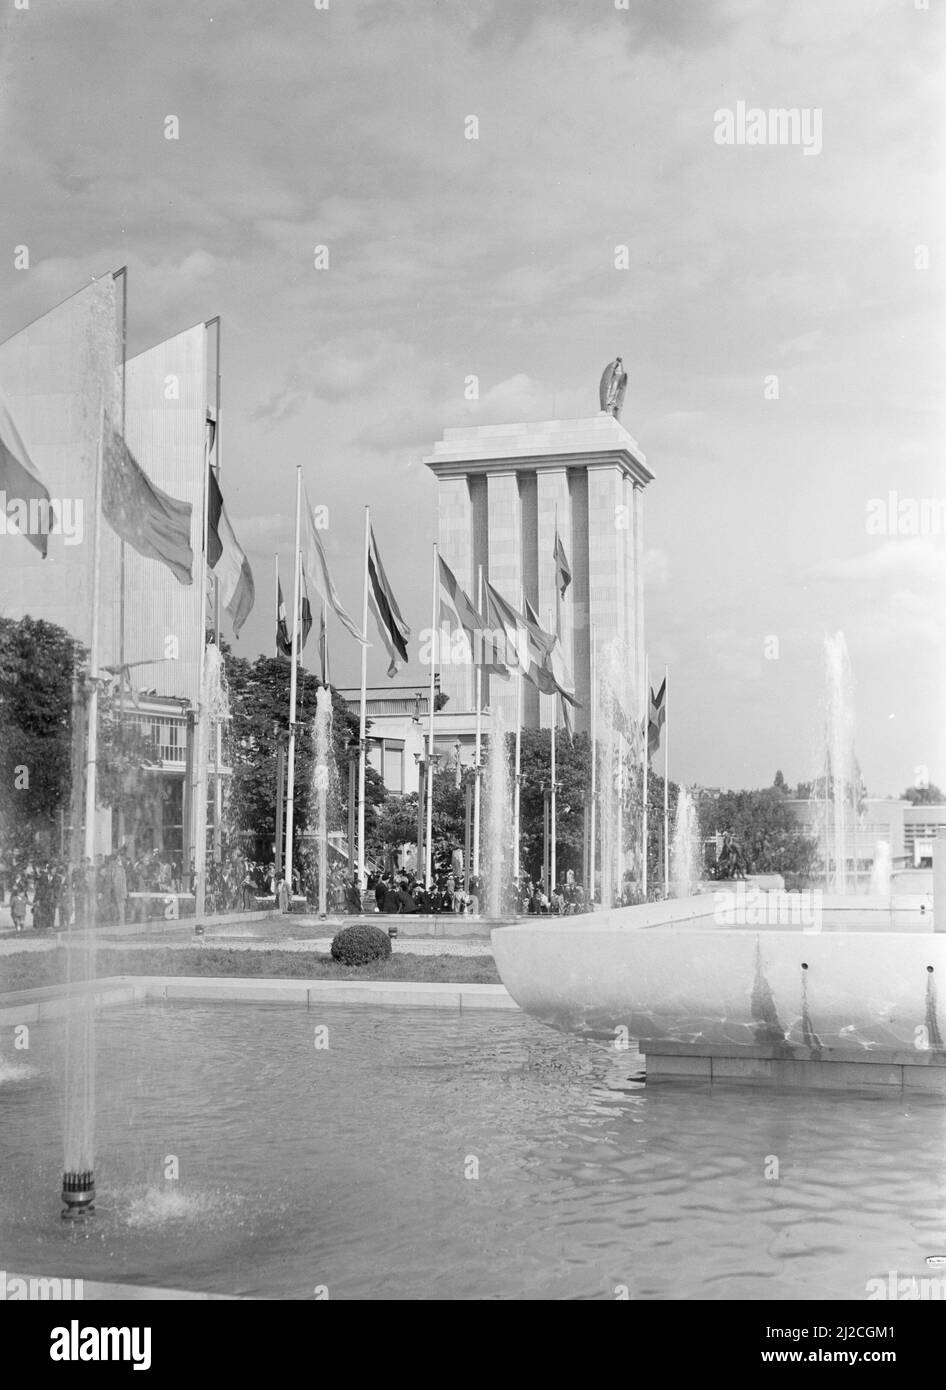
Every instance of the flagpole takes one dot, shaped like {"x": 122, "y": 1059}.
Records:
{"x": 93, "y": 712}
{"x": 291, "y": 771}
{"x": 363, "y": 720}
{"x": 276, "y": 626}
{"x": 553, "y": 809}
{"x": 479, "y": 736}
{"x": 646, "y": 767}
{"x": 618, "y": 855}
{"x": 518, "y": 766}
{"x": 324, "y": 653}
{"x": 594, "y": 766}
{"x": 428, "y": 848}
{"x": 666, "y": 782}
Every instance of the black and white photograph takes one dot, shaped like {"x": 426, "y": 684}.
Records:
{"x": 473, "y": 665}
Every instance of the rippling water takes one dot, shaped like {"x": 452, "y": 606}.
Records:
{"x": 426, "y": 1155}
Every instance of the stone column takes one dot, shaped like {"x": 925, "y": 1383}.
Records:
{"x": 505, "y": 568}
{"x": 554, "y": 501}
{"x": 608, "y": 537}
{"x": 638, "y": 559}
{"x": 455, "y": 540}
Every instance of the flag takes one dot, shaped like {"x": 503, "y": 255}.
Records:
{"x": 394, "y": 630}
{"x": 322, "y": 647}
{"x": 619, "y": 720}
{"x": 656, "y": 717}
{"x": 529, "y": 648}
{"x": 513, "y": 626}
{"x": 485, "y": 652}
{"x": 317, "y": 571}
{"x": 227, "y": 559}
{"x": 147, "y": 519}
{"x": 283, "y": 635}
{"x": 549, "y": 669}
{"x": 563, "y": 573}
{"x": 20, "y": 480}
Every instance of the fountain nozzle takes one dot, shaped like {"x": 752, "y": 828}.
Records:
{"x": 78, "y": 1195}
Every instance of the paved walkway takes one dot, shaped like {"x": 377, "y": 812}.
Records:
{"x": 417, "y": 946}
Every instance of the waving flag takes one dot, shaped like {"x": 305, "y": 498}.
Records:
{"x": 563, "y": 571}
{"x": 147, "y": 519}
{"x": 19, "y": 479}
{"x": 394, "y": 630}
{"x": 656, "y": 717}
{"x": 283, "y": 635}
{"x": 549, "y": 669}
{"x": 485, "y": 651}
{"x": 227, "y": 559}
{"x": 316, "y": 568}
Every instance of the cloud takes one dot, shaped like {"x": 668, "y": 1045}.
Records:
{"x": 917, "y": 557}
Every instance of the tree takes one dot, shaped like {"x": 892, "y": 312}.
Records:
{"x": 764, "y": 828}
{"x": 38, "y": 736}
{"x": 259, "y": 709}
{"x": 37, "y": 660}
{"x": 780, "y": 782}
{"x": 573, "y": 773}
{"x": 929, "y": 795}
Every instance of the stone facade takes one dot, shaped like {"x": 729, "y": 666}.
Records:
{"x": 503, "y": 490}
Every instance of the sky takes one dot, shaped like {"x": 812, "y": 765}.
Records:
{"x": 780, "y": 313}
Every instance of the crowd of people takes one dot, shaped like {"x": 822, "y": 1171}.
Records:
{"x": 117, "y": 888}
{"x": 57, "y": 897}
{"x": 404, "y": 892}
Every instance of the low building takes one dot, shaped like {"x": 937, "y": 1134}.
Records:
{"x": 398, "y": 725}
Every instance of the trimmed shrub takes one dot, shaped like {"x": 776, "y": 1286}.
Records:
{"x": 360, "y": 944}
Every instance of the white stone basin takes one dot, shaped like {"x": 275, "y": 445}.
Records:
{"x": 867, "y": 977}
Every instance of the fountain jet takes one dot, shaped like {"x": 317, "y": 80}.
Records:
{"x": 78, "y": 1195}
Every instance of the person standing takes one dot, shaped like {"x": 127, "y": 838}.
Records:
{"x": 18, "y": 906}
{"x": 119, "y": 889}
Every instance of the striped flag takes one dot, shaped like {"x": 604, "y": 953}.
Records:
{"x": 20, "y": 484}
{"x": 459, "y": 608}
{"x": 533, "y": 651}
{"x": 656, "y": 717}
{"x": 316, "y": 568}
{"x": 227, "y": 558}
{"x": 323, "y": 648}
{"x": 394, "y": 630}
{"x": 503, "y": 616}
{"x": 283, "y": 635}
{"x": 549, "y": 669}
{"x": 563, "y": 572}
{"x": 147, "y": 519}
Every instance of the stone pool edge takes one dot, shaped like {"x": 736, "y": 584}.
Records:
{"x": 52, "y": 1001}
